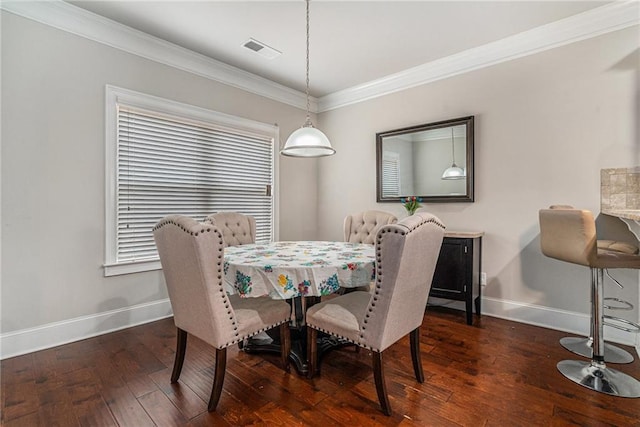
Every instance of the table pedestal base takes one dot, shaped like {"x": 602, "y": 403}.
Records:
{"x": 298, "y": 355}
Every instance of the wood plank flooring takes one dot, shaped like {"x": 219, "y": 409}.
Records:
{"x": 494, "y": 373}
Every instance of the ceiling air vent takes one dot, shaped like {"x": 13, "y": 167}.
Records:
{"x": 261, "y": 49}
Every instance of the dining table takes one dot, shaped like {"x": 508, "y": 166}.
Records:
{"x": 301, "y": 272}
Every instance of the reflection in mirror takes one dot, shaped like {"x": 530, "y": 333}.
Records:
{"x": 433, "y": 161}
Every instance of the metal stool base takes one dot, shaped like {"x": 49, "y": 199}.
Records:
{"x": 599, "y": 378}
{"x": 582, "y": 347}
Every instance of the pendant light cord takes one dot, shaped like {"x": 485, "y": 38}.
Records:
{"x": 453, "y": 150}
{"x": 308, "y": 121}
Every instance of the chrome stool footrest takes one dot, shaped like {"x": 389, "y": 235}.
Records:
{"x": 626, "y": 304}
{"x": 634, "y": 327}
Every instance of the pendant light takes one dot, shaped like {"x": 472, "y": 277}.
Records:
{"x": 307, "y": 141}
{"x": 454, "y": 172}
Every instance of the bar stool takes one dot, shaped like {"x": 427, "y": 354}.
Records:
{"x": 583, "y": 346}
{"x": 570, "y": 235}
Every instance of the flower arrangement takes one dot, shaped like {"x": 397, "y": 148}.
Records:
{"x": 411, "y": 203}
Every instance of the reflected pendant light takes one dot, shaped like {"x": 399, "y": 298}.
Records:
{"x": 454, "y": 172}
{"x": 307, "y": 141}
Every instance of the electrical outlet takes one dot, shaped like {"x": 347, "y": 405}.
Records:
{"x": 483, "y": 279}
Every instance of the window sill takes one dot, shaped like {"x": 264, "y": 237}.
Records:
{"x": 131, "y": 267}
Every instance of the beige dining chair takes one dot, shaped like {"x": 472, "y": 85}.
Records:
{"x": 570, "y": 235}
{"x": 192, "y": 257}
{"x": 362, "y": 227}
{"x": 406, "y": 255}
{"x": 237, "y": 229}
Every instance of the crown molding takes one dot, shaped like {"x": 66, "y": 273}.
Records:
{"x": 611, "y": 17}
{"x": 64, "y": 16}
{"x": 75, "y": 20}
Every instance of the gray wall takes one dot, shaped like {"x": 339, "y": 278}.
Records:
{"x": 53, "y": 170}
{"x": 544, "y": 127}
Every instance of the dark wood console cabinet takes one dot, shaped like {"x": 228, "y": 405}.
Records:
{"x": 457, "y": 275}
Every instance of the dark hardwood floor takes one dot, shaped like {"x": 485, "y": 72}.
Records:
{"x": 494, "y": 373}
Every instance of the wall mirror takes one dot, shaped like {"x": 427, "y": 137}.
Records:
{"x": 433, "y": 161}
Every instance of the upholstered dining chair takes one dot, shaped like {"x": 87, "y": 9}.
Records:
{"x": 237, "y": 229}
{"x": 406, "y": 255}
{"x": 192, "y": 256}
{"x": 570, "y": 235}
{"x": 362, "y": 227}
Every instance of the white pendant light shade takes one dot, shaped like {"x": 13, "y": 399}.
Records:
{"x": 454, "y": 172}
{"x": 307, "y": 142}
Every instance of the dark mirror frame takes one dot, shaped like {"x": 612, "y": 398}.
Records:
{"x": 426, "y": 198}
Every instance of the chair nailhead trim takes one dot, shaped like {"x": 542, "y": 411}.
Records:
{"x": 237, "y": 340}
{"x": 207, "y": 226}
{"x": 379, "y": 274}
{"x": 358, "y": 343}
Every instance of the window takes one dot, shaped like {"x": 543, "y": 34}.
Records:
{"x": 165, "y": 158}
{"x": 391, "y": 175}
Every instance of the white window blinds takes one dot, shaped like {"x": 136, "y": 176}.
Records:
{"x": 390, "y": 177}
{"x": 170, "y": 164}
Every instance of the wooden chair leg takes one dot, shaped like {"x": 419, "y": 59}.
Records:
{"x": 181, "y": 349}
{"x": 312, "y": 351}
{"x": 218, "y": 379}
{"x": 414, "y": 338}
{"x": 381, "y": 387}
{"x": 285, "y": 345}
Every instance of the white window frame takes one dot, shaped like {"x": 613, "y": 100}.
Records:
{"x": 115, "y": 96}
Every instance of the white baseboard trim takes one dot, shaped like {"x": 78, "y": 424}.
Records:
{"x": 551, "y": 318}
{"x": 54, "y": 334}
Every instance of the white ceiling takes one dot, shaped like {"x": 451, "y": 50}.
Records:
{"x": 352, "y": 42}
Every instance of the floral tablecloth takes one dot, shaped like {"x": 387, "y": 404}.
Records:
{"x": 286, "y": 270}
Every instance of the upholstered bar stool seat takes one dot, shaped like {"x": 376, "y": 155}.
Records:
{"x": 570, "y": 235}
{"x": 614, "y": 246}
{"x": 583, "y": 346}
